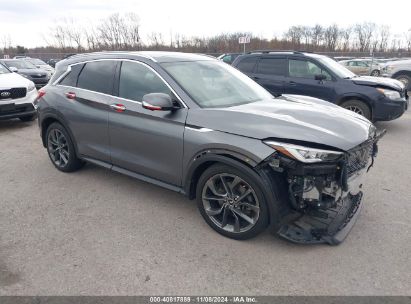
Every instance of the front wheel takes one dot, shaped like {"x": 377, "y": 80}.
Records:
{"x": 231, "y": 202}
{"x": 375, "y": 73}
{"x": 358, "y": 107}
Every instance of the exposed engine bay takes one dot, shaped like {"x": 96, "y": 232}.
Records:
{"x": 324, "y": 197}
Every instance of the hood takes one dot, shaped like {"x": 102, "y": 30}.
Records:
{"x": 379, "y": 82}
{"x": 288, "y": 117}
{"x": 13, "y": 80}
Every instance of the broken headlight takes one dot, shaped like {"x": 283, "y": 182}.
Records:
{"x": 304, "y": 154}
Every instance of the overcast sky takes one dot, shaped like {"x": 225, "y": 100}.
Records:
{"x": 27, "y": 21}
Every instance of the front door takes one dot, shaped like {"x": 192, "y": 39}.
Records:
{"x": 143, "y": 141}
{"x": 302, "y": 80}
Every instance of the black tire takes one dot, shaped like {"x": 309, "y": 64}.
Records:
{"x": 68, "y": 160}
{"x": 358, "y": 107}
{"x": 28, "y": 118}
{"x": 247, "y": 180}
{"x": 405, "y": 79}
{"x": 375, "y": 73}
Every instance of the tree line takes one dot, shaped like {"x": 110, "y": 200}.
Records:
{"x": 123, "y": 32}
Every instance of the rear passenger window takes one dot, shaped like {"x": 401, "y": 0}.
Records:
{"x": 137, "y": 80}
{"x": 247, "y": 64}
{"x": 71, "y": 78}
{"x": 272, "y": 66}
{"x": 97, "y": 76}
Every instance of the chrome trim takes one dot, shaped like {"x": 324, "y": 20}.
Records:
{"x": 117, "y": 59}
{"x": 201, "y": 130}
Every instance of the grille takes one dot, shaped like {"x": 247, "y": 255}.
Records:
{"x": 38, "y": 75}
{"x": 358, "y": 157}
{"x": 13, "y": 93}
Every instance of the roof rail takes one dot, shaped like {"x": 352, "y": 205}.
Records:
{"x": 275, "y": 51}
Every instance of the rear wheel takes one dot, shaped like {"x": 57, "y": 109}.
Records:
{"x": 231, "y": 202}
{"x": 358, "y": 107}
{"x": 61, "y": 149}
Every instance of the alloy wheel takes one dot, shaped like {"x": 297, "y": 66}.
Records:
{"x": 403, "y": 80}
{"x": 355, "y": 109}
{"x": 230, "y": 202}
{"x": 58, "y": 148}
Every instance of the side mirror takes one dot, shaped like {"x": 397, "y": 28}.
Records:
{"x": 13, "y": 69}
{"x": 158, "y": 102}
{"x": 320, "y": 77}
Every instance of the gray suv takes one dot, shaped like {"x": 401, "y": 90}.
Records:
{"x": 195, "y": 125}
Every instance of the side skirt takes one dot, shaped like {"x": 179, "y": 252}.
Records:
{"x": 135, "y": 175}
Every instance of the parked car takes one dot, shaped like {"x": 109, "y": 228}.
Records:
{"x": 195, "y": 125}
{"x": 26, "y": 69}
{"x": 363, "y": 66}
{"x": 40, "y": 64}
{"x": 320, "y": 76}
{"x": 400, "y": 70}
{"x": 228, "y": 57}
{"x": 17, "y": 95}
{"x": 52, "y": 62}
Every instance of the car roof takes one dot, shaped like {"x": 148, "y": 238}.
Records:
{"x": 155, "y": 56}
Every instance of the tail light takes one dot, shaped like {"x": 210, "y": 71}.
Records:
{"x": 40, "y": 93}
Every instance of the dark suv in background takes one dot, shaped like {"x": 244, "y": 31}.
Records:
{"x": 290, "y": 72}
{"x": 198, "y": 126}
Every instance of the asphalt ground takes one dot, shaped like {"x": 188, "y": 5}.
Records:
{"x": 96, "y": 232}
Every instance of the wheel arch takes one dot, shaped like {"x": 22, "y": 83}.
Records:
{"x": 358, "y": 97}
{"x": 272, "y": 195}
{"x": 50, "y": 118}
{"x": 401, "y": 72}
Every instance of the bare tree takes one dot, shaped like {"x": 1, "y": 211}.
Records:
{"x": 331, "y": 37}
{"x": 317, "y": 36}
{"x": 383, "y": 37}
{"x": 408, "y": 39}
{"x": 363, "y": 34}
{"x": 346, "y": 38}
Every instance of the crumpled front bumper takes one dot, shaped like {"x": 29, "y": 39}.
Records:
{"x": 315, "y": 228}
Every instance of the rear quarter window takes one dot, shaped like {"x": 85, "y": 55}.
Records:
{"x": 97, "y": 76}
{"x": 71, "y": 78}
{"x": 247, "y": 64}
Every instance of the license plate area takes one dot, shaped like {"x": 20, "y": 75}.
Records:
{"x": 7, "y": 107}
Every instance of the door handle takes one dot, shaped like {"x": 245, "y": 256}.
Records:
{"x": 71, "y": 95}
{"x": 292, "y": 83}
{"x": 118, "y": 107}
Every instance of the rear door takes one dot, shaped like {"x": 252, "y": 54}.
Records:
{"x": 271, "y": 73}
{"x": 143, "y": 141}
{"x": 87, "y": 89}
{"x": 302, "y": 80}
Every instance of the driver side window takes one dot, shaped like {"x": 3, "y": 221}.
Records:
{"x": 305, "y": 69}
{"x": 137, "y": 80}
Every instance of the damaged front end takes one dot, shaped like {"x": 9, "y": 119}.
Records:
{"x": 324, "y": 189}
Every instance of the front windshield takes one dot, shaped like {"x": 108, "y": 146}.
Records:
{"x": 215, "y": 84}
{"x": 20, "y": 64}
{"x": 336, "y": 67}
{"x": 3, "y": 69}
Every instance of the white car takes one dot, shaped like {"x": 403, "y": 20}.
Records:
{"x": 17, "y": 96}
